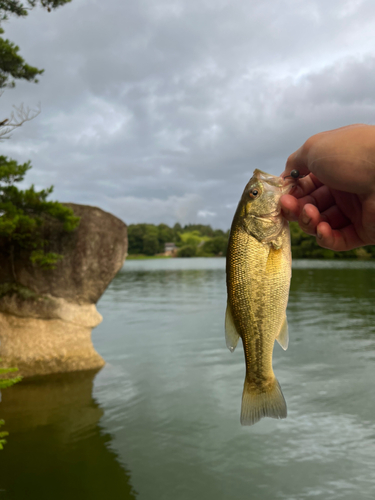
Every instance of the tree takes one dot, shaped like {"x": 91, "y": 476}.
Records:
{"x": 192, "y": 238}
{"x": 17, "y": 118}
{"x": 135, "y": 238}
{"x": 24, "y": 214}
{"x": 12, "y": 65}
{"x": 203, "y": 230}
{"x": 150, "y": 240}
{"x": 215, "y": 246}
{"x": 187, "y": 251}
{"x": 165, "y": 235}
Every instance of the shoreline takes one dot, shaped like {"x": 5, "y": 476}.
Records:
{"x": 154, "y": 257}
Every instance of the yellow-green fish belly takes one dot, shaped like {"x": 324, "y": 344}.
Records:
{"x": 258, "y": 278}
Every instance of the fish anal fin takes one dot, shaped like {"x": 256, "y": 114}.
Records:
{"x": 256, "y": 405}
{"x": 231, "y": 334}
{"x": 283, "y": 337}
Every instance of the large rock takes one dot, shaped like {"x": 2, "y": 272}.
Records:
{"x": 92, "y": 256}
{"x": 51, "y": 331}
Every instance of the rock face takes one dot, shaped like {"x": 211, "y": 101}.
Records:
{"x": 51, "y": 332}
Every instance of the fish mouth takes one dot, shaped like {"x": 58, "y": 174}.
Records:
{"x": 285, "y": 185}
{"x": 270, "y": 215}
{"x": 273, "y": 180}
{"x": 288, "y": 185}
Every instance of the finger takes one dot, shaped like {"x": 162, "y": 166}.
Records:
{"x": 310, "y": 216}
{"x": 309, "y": 219}
{"x": 290, "y": 207}
{"x": 337, "y": 239}
{"x": 296, "y": 162}
{"x": 306, "y": 185}
{"x": 335, "y": 218}
{"x": 322, "y": 198}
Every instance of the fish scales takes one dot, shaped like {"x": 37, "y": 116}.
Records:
{"x": 258, "y": 278}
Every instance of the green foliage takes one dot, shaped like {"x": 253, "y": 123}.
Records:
{"x": 23, "y": 292}
{"x": 3, "y": 434}
{"x": 4, "y": 384}
{"x": 13, "y": 7}
{"x": 8, "y": 382}
{"x": 165, "y": 234}
{"x": 143, "y": 239}
{"x": 191, "y": 240}
{"x": 187, "y": 251}
{"x": 214, "y": 246}
{"x": 147, "y": 257}
{"x": 200, "y": 229}
{"x": 17, "y": 8}
{"x": 12, "y": 65}
{"x": 45, "y": 260}
{"x": 150, "y": 240}
{"x": 197, "y": 240}
{"x": 25, "y": 212}
{"x": 304, "y": 246}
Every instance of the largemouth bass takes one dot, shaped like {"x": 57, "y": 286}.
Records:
{"x": 258, "y": 278}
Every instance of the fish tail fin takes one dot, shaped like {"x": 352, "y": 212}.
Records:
{"x": 255, "y": 405}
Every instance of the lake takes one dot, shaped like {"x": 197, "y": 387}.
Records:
{"x": 161, "y": 420}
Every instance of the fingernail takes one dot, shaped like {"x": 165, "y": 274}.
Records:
{"x": 319, "y": 235}
{"x": 305, "y": 218}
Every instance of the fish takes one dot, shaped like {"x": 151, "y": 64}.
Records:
{"x": 258, "y": 273}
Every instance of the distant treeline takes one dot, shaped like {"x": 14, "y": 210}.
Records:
{"x": 198, "y": 240}
{"x": 305, "y": 246}
{"x": 192, "y": 240}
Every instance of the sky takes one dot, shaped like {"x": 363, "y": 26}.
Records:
{"x": 160, "y": 110}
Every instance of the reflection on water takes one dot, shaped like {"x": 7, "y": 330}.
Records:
{"x": 170, "y": 396}
{"x": 56, "y": 448}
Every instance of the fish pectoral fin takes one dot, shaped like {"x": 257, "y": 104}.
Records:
{"x": 283, "y": 337}
{"x": 277, "y": 243}
{"x": 231, "y": 334}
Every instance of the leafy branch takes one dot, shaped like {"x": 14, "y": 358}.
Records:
{"x": 24, "y": 215}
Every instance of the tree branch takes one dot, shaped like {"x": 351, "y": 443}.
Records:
{"x": 18, "y": 117}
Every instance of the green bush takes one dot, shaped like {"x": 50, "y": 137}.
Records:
{"x": 215, "y": 246}
{"x": 187, "y": 251}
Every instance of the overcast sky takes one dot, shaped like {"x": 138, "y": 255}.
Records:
{"x": 160, "y": 110}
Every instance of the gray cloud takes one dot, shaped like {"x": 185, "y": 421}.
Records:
{"x": 160, "y": 111}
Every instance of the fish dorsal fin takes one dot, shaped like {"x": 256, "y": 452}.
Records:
{"x": 283, "y": 337}
{"x": 231, "y": 334}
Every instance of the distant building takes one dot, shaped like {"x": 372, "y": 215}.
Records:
{"x": 170, "y": 249}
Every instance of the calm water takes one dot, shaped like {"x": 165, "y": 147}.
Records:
{"x": 161, "y": 420}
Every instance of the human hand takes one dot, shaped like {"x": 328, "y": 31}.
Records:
{"x": 336, "y": 200}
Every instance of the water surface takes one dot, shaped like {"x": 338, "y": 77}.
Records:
{"x": 161, "y": 420}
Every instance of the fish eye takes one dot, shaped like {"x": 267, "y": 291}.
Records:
{"x": 253, "y": 193}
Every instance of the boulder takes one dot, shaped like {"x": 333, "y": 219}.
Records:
{"x": 92, "y": 256}
{"x": 50, "y": 331}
